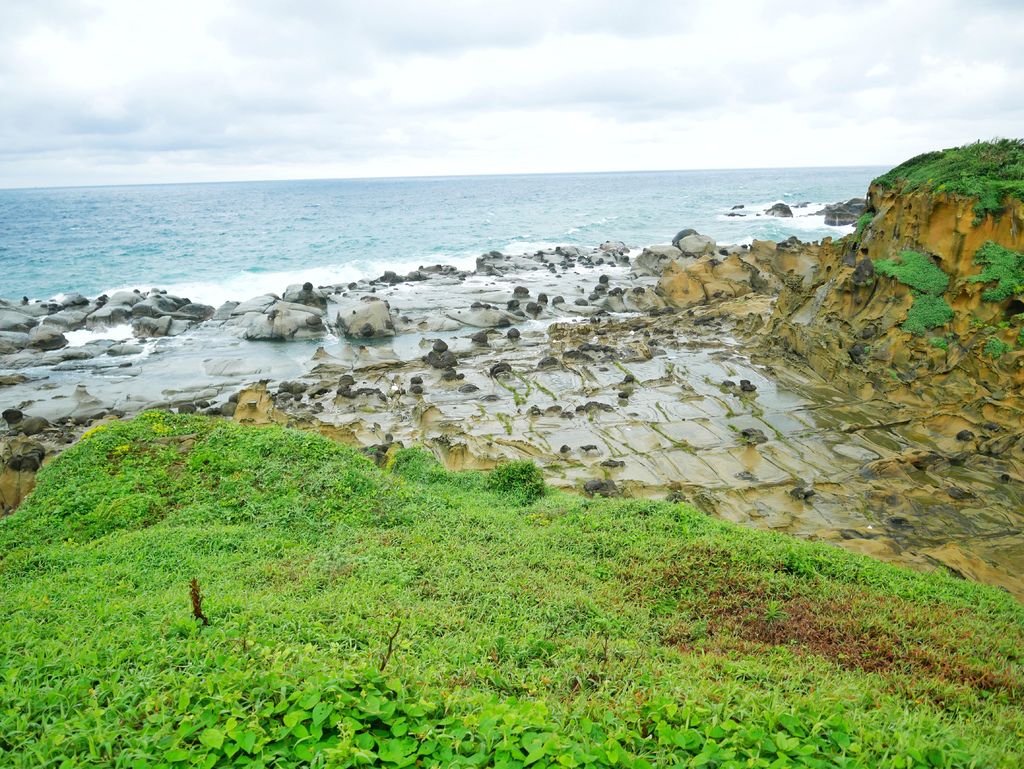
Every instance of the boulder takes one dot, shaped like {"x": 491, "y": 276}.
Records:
{"x": 683, "y": 234}
{"x": 15, "y": 320}
{"x": 155, "y": 305}
{"x": 781, "y": 210}
{"x": 697, "y": 283}
{"x": 482, "y": 317}
{"x": 370, "y": 318}
{"x": 306, "y": 294}
{"x": 12, "y": 341}
{"x": 68, "y": 319}
{"x": 279, "y": 321}
{"x": 46, "y": 338}
{"x": 20, "y": 458}
{"x": 157, "y": 327}
{"x": 695, "y": 245}
{"x": 844, "y": 214}
{"x": 654, "y": 259}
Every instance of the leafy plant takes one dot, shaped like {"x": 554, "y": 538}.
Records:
{"x": 939, "y": 342}
{"x": 1003, "y": 267}
{"x": 990, "y": 171}
{"x": 927, "y": 284}
{"x": 996, "y": 348}
{"x": 915, "y": 270}
{"x": 520, "y": 480}
{"x": 927, "y": 312}
{"x": 774, "y": 612}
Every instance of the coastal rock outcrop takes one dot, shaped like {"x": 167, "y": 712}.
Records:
{"x": 843, "y": 214}
{"x": 367, "y": 319}
{"x": 269, "y": 318}
{"x": 780, "y": 209}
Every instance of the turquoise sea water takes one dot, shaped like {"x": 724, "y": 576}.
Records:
{"x": 235, "y": 240}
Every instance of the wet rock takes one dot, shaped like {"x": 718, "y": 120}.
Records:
{"x": 468, "y": 388}
{"x": 480, "y": 337}
{"x": 728, "y": 384}
{"x": 589, "y": 448}
{"x": 564, "y": 449}
{"x": 498, "y": 369}
{"x": 534, "y": 309}
{"x": 779, "y": 209}
{"x": 747, "y": 386}
{"x": 449, "y": 375}
{"x": 965, "y": 435}
{"x": 440, "y": 346}
{"x": 520, "y": 291}
{"x": 416, "y": 389}
{"x": 513, "y": 334}
{"x": 611, "y": 463}
{"x": 844, "y": 214}
{"x": 548, "y": 361}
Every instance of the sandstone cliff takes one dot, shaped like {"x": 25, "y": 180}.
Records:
{"x": 849, "y": 320}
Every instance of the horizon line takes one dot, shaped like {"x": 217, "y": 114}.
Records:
{"x": 427, "y": 177}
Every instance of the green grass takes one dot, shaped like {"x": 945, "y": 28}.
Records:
{"x": 413, "y": 617}
{"x": 990, "y": 171}
{"x": 1001, "y": 266}
{"x": 862, "y": 224}
{"x": 927, "y": 283}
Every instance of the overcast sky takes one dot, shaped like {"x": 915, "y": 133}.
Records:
{"x": 114, "y": 91}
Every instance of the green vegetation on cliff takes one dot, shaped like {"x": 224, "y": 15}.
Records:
{"x": 927, "y": 283}
{"x": 1001, "y": 266}
{"x": 414, "y": 617}
{"x": 989, "y": 171}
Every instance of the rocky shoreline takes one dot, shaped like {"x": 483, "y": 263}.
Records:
{"x": 661, "y": 372}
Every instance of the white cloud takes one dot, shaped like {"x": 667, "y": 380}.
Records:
{"x": 121, "y": 91}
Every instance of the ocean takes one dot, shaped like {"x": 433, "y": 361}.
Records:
{"x": 213, "y": 242}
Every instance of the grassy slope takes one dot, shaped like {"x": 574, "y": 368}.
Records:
{"x": 990, "y": 171}
{"x": 564, "y": 632}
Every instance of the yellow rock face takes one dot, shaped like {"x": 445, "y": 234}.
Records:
{"x": 851, "y": 330}
{"x": 689, "y": 283}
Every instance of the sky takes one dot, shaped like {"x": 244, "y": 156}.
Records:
{"x": 123, "y": 91}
